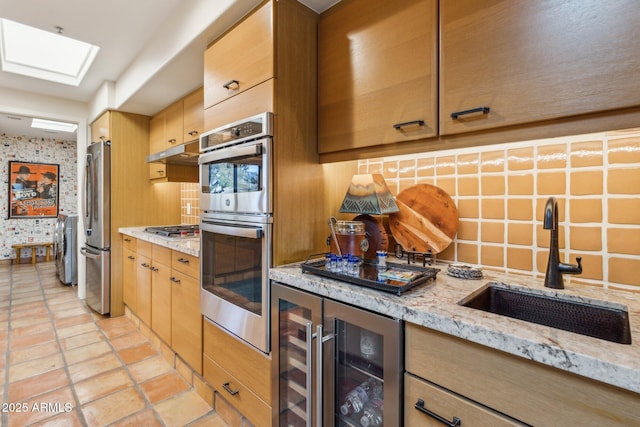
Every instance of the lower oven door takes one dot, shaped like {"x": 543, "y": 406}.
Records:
{"x": 235, "y": 255}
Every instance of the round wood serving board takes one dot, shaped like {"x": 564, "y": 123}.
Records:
{"x": 427, "y": 220}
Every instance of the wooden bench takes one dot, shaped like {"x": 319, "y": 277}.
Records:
{"x": 34, "y": 247}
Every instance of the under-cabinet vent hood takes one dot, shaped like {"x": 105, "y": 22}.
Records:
{"x": 183, "y": 154}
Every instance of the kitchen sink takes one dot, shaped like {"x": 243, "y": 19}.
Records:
{"x": 608, "y": 321}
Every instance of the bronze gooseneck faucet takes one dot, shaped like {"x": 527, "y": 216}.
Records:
{"x": 555, "y": 268}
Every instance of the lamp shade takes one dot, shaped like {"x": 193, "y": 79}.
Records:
{"x": 368, "y": 194}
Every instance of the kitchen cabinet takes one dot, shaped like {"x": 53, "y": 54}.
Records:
{"x": 100, "y": 128}
{"x": 240, "y": 373}
{"x": 161, "y": 288}
{"x": 162, "y": 172}
{"x": 535, "y": 61}
{"x": 165, "y": 128}
{"x": 129, "y": 266}
{"x": 327, "y": 353}
{"x": 242, "y": 58}
{"x": 520, "y": 390}
{"x": 143, "y": 282}
{"x": 186, "y": 320}
{"x": 193, "y": 115}
{"x": 377, "y": 73}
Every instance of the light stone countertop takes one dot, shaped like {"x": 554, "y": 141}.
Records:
{"x": 188, "y": 245}
{"x": 434, "y": 305}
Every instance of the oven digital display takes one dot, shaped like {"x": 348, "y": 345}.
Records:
{"x": 234, "y": 177}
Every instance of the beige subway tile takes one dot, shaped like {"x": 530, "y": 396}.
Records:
{"x": 425, "y": 167}
{"x": 541, "y": 203}
{"x": 492, "y": 208}
{"x": 520, "y": 209}
{"x": 407, "y": 168}
{"x": 376, "y": 167}
{"x": 468, "y": 186}
{"x": 401, "y": 184}
{"x": 445, "y": 165}
{"x": 542, "y": 259}
{"x": 468, "y": 208}
{"x": 543, "y": 237}
{"x": 492, "y": 255}
{"x": 623, "y": 241}
{"x": 390, "y": 168}
{"x": 552, "y": 156}
{"x": 520, "y": 258}
{"x": 492, "y": 232}
{"x": 585, "y": 210}
{"x": 591, "y": 265}
{"x": 552, "y": 183}
{"x": 585, "y": 238}
{"x": 468, "y": 253}
{"x": 492, "y": 161}
{"x": 468, "y": 163}
{"x": 448, "y": 185}
{"x": 520, "y": 158}
{"x": 449, "y": 254}
{"x": 585, "y": 154}
{"x": 624, "y": 210}
{"x": 586, "y": 183}
{"x": 519, "y": 233}
{"x": 624, "y": 150}
{"x": 520, "y": 184}
{"x": 467, "y": 230}
{"x": 426, "y": 180}
{"x": 624, "y": 271}
{"x": 623, "y": 181}
{"x": 493, "y": 185}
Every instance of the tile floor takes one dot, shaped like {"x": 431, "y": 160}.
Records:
{"x": 65, "y": 365}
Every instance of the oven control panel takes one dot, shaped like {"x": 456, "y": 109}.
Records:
{"x": 243, "y": 130}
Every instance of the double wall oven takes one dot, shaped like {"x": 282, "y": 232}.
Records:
{"x": 236, "y": 227}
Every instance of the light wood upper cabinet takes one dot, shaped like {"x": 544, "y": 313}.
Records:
{"x": 531, "y": 61}
{"x": 242, "y": 58}
{"x": 377, "y": 75}
{"x": 193, "y": 115}
{"x": 165, "y": 128}
{"x": 101, "y": 128}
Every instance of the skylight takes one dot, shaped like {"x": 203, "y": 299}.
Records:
{"x": 44, "y": 55}
{"x": 53, "y": 125}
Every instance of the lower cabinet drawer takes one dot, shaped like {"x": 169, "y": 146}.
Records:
{"x": 421, "y": 397}
{"x": 239, "y": 396}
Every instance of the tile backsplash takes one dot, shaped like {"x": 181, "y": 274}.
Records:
{"x": 189, "y": 203}
{"x": 500, "y": 192}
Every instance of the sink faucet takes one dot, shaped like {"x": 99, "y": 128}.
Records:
{"x": 555, "y": 268}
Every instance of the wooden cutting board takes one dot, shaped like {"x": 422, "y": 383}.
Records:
{"x": 427, "y": 220}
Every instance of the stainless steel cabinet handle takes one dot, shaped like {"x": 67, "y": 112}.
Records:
{"x": 228, "y": 389}
{"x": 231, "y": 85}
{"x": 456, "y": 115}
{"x": 183, "y": 260}
{"x": 174, "y": 280}
{"x": 420, "y": 407}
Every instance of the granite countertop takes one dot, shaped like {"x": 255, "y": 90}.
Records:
{"x": 188, "y": 245}
{"x": 434, "y": 305}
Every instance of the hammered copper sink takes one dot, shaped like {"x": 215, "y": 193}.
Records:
{"x": 609, "y": 322}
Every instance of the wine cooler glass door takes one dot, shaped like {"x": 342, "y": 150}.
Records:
{"x": 367, "y": 366}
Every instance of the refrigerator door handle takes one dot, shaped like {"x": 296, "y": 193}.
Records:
{"x": 88, "y": 194}
{"x": 88, "y": 254}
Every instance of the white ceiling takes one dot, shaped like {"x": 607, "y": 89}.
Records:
{"x": 124, "y": 30}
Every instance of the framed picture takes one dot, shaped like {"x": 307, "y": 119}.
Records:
{"x": 33, "y": 190}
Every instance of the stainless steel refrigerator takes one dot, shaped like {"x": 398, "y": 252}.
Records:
{"x": 97, "y": 226}
{"x": 65, "y": 248}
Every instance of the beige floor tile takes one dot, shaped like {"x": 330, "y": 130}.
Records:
{"x": 116, "y": 327}
{"x": 133, "y": 339}
{"x": 113, "y": 407}
{"x": 83, "y": 370}
{"x": 210, "y": 420}
{"x": 146, "y": 418}
{"x": 81, "y": 340}
{"x": 36, "y": 328}
{"x": 164, "y": 386}
{"x": 33, "y": 352}
{"x": 42, "y": 407}
{"x": 35, "y": 367}
{"x": 29, "y": 320}
{"x": 65, "y": 322}
{"x": 87, "y": 352}
{"x": 102, "y": 385}
{"x": 149, "y": 368}
{"x": 37, "y": 385}
{"x": 182, "y": 409}
{"x": 136, "y": 354}
{"x": 76, "y": 330}
{"x": 70, "y": 419}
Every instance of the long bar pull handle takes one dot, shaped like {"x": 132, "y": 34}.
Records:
{"x": 231, "y": 85}
{"x": 319, "y": 375}
{"x": 310, "y": 336}
{"x": 398, "y": 126}
{"x": 456, "y": 115}
{"x": 420, "y": 407}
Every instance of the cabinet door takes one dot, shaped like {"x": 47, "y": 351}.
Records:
{"x": 241, "y": 58}
{"x": 129, "y": 287}
{"x": 143, "y": 289}
{"x": 186, "y": 320}
{"x": 193, "y": 115}
{"x": 173, "y": 125}
{"x": 100, "y": 129}
{"x": 161, "y": 301}
{"x": 376, "y": 73}
{"x": 156, "y": 133}
{"x": 535, "y": 60}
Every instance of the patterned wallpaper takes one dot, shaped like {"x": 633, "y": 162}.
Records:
{"x": 37, "y": 150}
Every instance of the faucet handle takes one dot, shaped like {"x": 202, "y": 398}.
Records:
{"x": 579, "y": 261}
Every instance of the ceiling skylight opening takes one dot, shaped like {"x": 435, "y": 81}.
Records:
{"x": 53, "y": 125}
{"x": 44, "y": 55}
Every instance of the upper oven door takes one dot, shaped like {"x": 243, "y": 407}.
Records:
{"x": 237, "y": 178}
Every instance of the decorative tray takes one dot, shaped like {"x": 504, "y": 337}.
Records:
{"x": 395, "y": 278}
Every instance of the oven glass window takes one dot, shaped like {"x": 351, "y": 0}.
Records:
{"x": 238, "y": 176}
{"x": 235, "y": 270}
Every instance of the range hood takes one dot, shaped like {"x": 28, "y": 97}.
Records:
{"x": 183, "y": 154}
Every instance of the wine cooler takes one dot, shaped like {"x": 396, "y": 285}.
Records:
{"x": 337, "y": 365}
